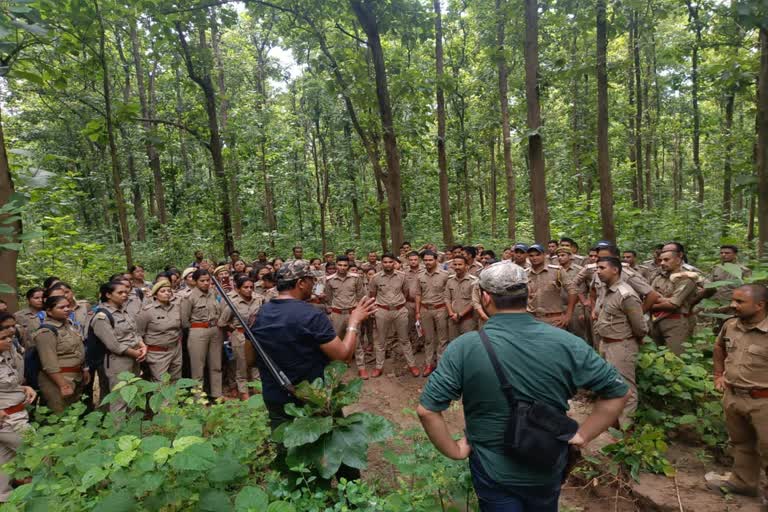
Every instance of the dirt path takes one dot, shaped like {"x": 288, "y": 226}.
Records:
{"x": 395, "y": 396}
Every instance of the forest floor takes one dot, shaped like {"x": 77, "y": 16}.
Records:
{"x": 395, "y": 396}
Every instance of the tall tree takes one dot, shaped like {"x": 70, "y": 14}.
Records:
{"x": 603, "y": 158}
{"x": 695, "y": 20}
{"x": 762, "y": 142}
{"x": 442, "y": 160}
{"x": 503, "y": 72}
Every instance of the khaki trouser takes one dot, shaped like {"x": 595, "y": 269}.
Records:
{"x": 205, "y": 345}
{"x": 340, "y": 322}
{"x": 578, "y": 324}
{"x": 746, "y": 419}
{"x": 394, "y": 321}
{"x": 623, "y": 355}
{"x": 169, "y": 361}
{"x": 435, "y": 325}
{"x": 672, "y": 332}
{"x": 467, "y": 324}
{"x": 416, "y": 342}
{"x": 114, "y": 365}
{"x": 239, "y": 341}
{"x": 52, "y": 394}
{"x": 550, "y": 318}
{"x": 10, "y": 440}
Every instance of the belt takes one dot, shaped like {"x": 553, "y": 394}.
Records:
{"x": 15, "y": 408}
{"x": 157, "y": 348}
{"x": 391, "y": 308}
{"x": 341, "y": 311}
{"x": 751, "y": 392}
{"x": 201, "y": 325}
{"x": 70, "y": 369}
{"x": 613, "y": 340}
{"x": 434, "y": 306}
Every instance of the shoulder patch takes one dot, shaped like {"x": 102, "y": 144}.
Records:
{"x": 680, "y": 275}
{"x": 625, "y": 290}
{"x": 552, "y": 265}
{"x": 591, "y": 266}
{"x": 101, "y": 315}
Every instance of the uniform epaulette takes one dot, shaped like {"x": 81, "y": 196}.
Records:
{"x": 552, "y": 265}
{"x": 688, "y": 274}
{"x": 473, "y": 277}
{"x": 149, "y": 306}
{"x": 451, "y": 275}
{"x": 83, "y": 302}
{"x": 576, "y": 266}
{"x": 624, "y": 289}
{"x": 691, "y": 268}
{"x": 100, "y": 315}
{"x": 328, "y": 278}
{"x": 590, "y": 265}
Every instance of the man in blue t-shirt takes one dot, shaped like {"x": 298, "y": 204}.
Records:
{"x": 301, "y": 340}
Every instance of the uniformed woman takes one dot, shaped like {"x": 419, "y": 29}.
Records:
{"x": 117, "y": 331}
{"x": 62, "y": 356}
{"x": 14, "y": 399}
{"x": 199, "y": 313}
{"x": 247, "y": 304}
{"x": 159, "y": 325}
{"x": 27, "y": 318}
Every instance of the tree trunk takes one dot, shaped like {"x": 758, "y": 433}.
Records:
{"x": 179, "y": 120}
{"x": 8, "y": 256}
{"x": 762, "y": 145}
{"x": 493, "y": 192}
{"x": 382, "y": 214}
{"x": 364, "y": 11}
{"x": 147, "y": 112}
{"x": 501, "y": 63}
{"x": 535, "y": 141}
{"x": 637, "y": 196}
{"x": 648, "y": 135}
{"x": 637, "y": 85}
{"x": 442, "y": 160}
{"x": 122, "y": 213}
{"x": 203, "y": 79}
{"x": 321, "y": 179}
{"x": 603, "y": 159}
{"x": 730, "y": 99}
{"x": 693, "y": 15}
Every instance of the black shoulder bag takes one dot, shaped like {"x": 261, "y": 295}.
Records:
{"x": 537, "y": 433}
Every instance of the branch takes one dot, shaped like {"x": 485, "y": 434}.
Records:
{"x": 204, "y": 5}
{"x": 353, "y": 36}
{"x": 187, "y": 129}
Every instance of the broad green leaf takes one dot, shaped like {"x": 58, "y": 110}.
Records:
{"x": 198, "y": 457}
{"x": 251, "y": 499}
{"x": 92, "y": 477}
{"x": 280, "y": 506}
{"x": 128, "y": 393}
{"x": 214, "y": 500}
{"x": 118, "y": 501}
{"x": 227, "y": 469}
{"x": 306, "y": 430}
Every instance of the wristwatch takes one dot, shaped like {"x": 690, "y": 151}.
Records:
{"x": 352, "y": 329}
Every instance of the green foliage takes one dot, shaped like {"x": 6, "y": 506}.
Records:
{"x": 320, "y": 437}
{"x": 642, "y": 450}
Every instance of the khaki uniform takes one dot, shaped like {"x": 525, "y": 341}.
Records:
{"x": 746, "y": 418}
{"x": 134, "y": 303}
{"x": 11, "y": 426}
{"x": 629, "y": 276}
{"x": 674, "y": 328}
{"x": 247, "y": 310}
{"x": 28, "y": 322}
{"x": 621, "y": 325}
{"x": 578, "y": 324}
{"x": 391, "y": 315}
{"x": 200, "y": 313}
{"x": 160, "y": 327}
{"x": 458, "y": 299}
{"x": 82, "y": 315}
{"x": 62, "y": 352}
{"x": 475, "y": 268}
{"x": 649, "y": 269}
{"x": 545, "y": 288}
{"x": 342, "y": 295}
{"x": 116, "y": 340}
{"x": 267, "y": 295}
{"x": 433, "y": 313}
{"x": 412, "y": 278}
{"x": 724, "y": 293}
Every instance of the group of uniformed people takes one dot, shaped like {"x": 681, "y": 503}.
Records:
{"x": 178, "y": 324}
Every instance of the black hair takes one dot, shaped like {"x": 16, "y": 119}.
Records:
{"x": 552, "y": 242}
{"x": 117, "y": 277}
{"x": 488, "y": 252}
{"x": 49, "y": 281}
{"x": 510, "y": 302}
{"x": 4, "y": 315}
{"x": 254, "y": 274}
{"x": 51, "y": 302}
{"x": 197, "y": 274}
{"x": 132, "y": 268}
{"x": 470, "y": 249}
{"x": 33, "y": 291}
{"x": 426, "y": 253}
{"x": 349, "y": 251}
{"x": 460, "y": 257}
{"x": 234, "y": 251}
{"x": 630, "y": 251}
{"x": 412, "y": 253}
{"x": 594, "y": 249}
{"x": 404, "y": 244}
{"x": 454, "y": 247}
{"x": 759, "y": 292}
{"x": 56, "y": 286}
{"x": 342, "y": 258}
{"x": 268, "y": 277}
{"x": 612, "y": 250}
{"x": 731, "y": 247}
{"x": 293, "y": 249}
{"x": 612, "y": 261}
{"x": 373, "y": 252}
{"x": 388, "y": 255}
{"x": 567, "y": 239}
{"x": 108, "y": 288}
{"x": 313, "y": 259}
{"x": 240, "y": 280}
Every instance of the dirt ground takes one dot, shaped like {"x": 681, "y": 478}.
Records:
{"x": 395, "y": 396}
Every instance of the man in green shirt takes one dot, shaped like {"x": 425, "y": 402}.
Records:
{"x": 543, "y": 364}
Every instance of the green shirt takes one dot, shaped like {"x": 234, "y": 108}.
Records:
{"x": 541, "y": 362}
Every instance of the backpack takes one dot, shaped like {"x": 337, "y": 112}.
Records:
{"x": 94, "y": 347}
{"x": 32, "y": 364}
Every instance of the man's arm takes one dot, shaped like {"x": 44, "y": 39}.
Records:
{"x": 718, "y": 360}
{"x": 604, "y": 414}
{"x": 437, "y": 430}
{"x": 341, "y": 349}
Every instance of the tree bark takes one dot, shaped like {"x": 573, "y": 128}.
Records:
{"x": 364, "y": 11}
{"x": 638, "y": 97}
{"x": 8, "y": 257}
{"x": 603, "y": 159}
{"x": 535, "y": 141}
{"x": 762, "y": 145}
{"x": 501, "y": 63}
{"x": 442, "y": 160}
{"x": 693, "y": 16}
{"x": 730, "y": 99}
{"x": 493, "y": 192}
{"x": 122, "y": 213}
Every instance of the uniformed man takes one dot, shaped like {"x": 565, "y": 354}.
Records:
{"x": 412, "y": 271}
{"x": 390, "y": 289}
{"x": 741, "y": 371}
{"x": 343, "y": 291}
{"x": 621, "y": 326}
{"x": 571, "y": 244}
{"x": 159, "y": 325}
{"x": 458, "y": 299}
{"x": 431, "y": 311}
{"x": 677, "y": 290}
{"x": 473, "y": 266}
{"x": 405, "y": 248}
{"x": 729, "y": 269}
{"x": 328, "y": 257}
{"x": 578, "y": 323}
{"x": 520, "y": 255}
{"x": 507, "y": 254}
{"x": 373, "y": 261}
{"x": 545, "y": 286}
{"x": 267, "y": 287}
{"x": 552, "y": 251}
{"x": 629, "y": 257}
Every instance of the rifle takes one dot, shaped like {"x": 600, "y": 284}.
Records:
{"x": 276, "y": 372}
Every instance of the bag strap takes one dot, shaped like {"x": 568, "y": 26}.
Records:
{"x": 506, "y": 388}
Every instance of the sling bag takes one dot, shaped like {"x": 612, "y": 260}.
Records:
{"x": 537, "y": 433}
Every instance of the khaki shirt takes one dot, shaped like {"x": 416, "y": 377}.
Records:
{"x": 583, "y": 280}
{"x": 719, "y": 273}
{"x": 475, "y": 268}
{"x": 120, "y": 338}
{"x": 64, "y": 349}
{"x": 367, "y": 264}
{"x": 620, "y": 313}
{"x": 746, "y": 348}
{"x": 569, "y": 274}
{"x": 431, "y": 287}
{"x": 389, "y": 289}
{"x": 134, "y": 303}
{"x": 199, "y": 307}
{"x": 544, "y": 290}
{"x": 247, "y": 310}
{"x": 160, "y": 325}
{"x": 412, "y": 278}
{"x": 629, "y": 276}
{"x": 28, "y": 322}
{"x": 679, "y": 288}
{"x": 344, "y": 292}
{"x": 458, "y": 292}
{"x": 11, "y": 377}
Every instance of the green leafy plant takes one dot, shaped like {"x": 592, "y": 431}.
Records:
{"x": 641, "y": 450}
{"x": 319, "y": 436}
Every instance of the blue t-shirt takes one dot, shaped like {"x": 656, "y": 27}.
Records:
{"x": 291, "y": 332}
